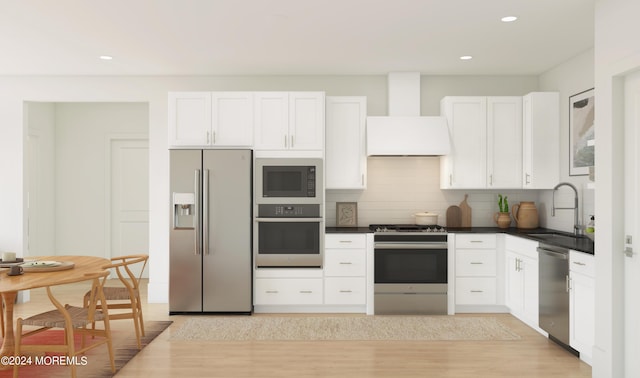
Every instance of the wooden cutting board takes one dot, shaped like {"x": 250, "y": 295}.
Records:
{"x": 454, "y": 216}
{"x": 465, "y": 211}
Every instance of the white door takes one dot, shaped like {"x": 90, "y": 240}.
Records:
{"x": 129, "y": 197}
{"x": 631, "y": 224}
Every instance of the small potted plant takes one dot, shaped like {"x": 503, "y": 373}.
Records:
{"x": 503, "y": 217}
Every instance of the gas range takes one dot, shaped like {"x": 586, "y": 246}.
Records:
{"x": 408, "y": 228}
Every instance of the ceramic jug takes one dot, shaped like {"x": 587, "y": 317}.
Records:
{"x": 525, "y": 214}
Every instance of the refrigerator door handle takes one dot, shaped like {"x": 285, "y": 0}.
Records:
{"x": 205, "y": 212}
{"x": 198, "y": 229}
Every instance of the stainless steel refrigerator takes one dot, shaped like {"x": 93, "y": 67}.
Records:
{"x": 210, "y": 236}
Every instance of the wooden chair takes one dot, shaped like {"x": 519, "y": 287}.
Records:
{"x": 127, "y": 295}
{"x": 73, "y": 320}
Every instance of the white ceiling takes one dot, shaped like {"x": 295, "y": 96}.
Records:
{"x": 290, "y": 37}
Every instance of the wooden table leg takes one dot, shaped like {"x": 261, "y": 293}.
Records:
{"x": 8, "y": 346}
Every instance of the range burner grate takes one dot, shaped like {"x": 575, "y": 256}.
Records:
{"x": 406, "y": 228}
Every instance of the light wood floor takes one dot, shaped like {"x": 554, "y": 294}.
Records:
{"x": 532, "y": 356}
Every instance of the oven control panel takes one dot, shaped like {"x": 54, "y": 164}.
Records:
{"x": 288, "y": 211}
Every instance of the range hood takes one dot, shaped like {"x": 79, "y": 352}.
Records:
{"x": 404, "y": 132}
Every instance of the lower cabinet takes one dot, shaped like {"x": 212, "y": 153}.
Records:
{"x": 475, "y": 272}
{"x": 286, "y": 291}
{"x": 521, "y": 279}
{"x": 342, "y": 285}
{"x": 582, "y": 303}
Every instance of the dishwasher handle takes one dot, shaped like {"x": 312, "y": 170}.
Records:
{"x": 560, "y": 254}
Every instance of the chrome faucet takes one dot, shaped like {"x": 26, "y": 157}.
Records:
{"x": 576, "y": 227}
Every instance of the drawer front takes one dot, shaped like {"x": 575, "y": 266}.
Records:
{"x": 345, "y": 241}
{"x": 476, "y": 263}
{"x": 476, "y": 241}
{"x": 582, "y": 263}
{"x": 345, "y": 291}
{"x": 288, "y": 291}
{"x": 344, "y": 262}
{"x": 476, "y": 291}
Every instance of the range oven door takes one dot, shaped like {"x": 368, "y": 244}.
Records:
{"x": 289, "y": 242}
{"x": 410, "y": 279}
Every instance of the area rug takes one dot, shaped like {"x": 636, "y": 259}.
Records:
{"x": 343, "y": 328}
{"x": 96, "y": 364}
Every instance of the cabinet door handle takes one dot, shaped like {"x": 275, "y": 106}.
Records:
{"x": 476, "y": 263}
{"x": 362, "y": 179}
{"x": 450, "y": 179}
{"x": 528, "y": 178}
{"x": 214, "y": 137}
{"x": 477, "y": 291}
{"x": 491, "y": 180}
{"x": 292, "y": 144}
{"x": 345, "y": 263}
{"x": 346, "y": 291}
{"x": 477, "y": 241}
{"x": 579, "y": 263}
{"x": 271, "y": 291}
{"x": 306, "y": 291}
{"x": 208, "y": 137}
{"x": 346, "y": 241}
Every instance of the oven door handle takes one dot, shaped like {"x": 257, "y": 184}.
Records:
{"x": 289, "y": 220}
{"x": 408, "y": 245}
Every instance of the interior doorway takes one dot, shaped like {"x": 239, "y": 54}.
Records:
{"x": 77, "y": 154}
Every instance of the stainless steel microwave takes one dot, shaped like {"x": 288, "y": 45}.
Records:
{"x": 289, "y": 180}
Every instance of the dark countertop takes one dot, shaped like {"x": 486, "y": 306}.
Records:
{"x": 582, "y": 244}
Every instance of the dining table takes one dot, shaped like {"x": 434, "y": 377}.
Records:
{"x": 74, "y": 267}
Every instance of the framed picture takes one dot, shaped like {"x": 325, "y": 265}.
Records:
{"x": 347, "y": 214}
{"x": 581, "y": 133}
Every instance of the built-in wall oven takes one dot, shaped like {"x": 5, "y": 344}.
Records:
{"x": 288, "y": 213}
{"x": 410, "y": 270}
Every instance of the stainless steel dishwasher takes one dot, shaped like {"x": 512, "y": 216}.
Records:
{"x": 553, "y": 315}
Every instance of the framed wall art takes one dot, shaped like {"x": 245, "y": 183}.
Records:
{"x": 581, "y": 133}
{"x": 346, "y": 214}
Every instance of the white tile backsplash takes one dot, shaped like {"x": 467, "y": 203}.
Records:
{"x": 398, "y": 187}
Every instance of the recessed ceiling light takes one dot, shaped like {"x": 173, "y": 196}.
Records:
{"x": 509, "y": 18}
{"x": 466, "y": 57}
{"x": 106, "y": 57}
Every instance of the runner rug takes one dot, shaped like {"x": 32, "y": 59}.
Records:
{"x": 96, "y": 364}
{"x": 240, "y": 328}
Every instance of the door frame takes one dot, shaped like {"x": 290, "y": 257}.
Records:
{"x": 109, "y": 139}
{"x": 609, "y": 350}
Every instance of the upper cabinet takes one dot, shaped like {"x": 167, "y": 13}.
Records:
{"x": 289, "y": 121}
{"x": 211, "y": 119}
{"x": 345, "y": 156}
{"x": 486, "y": 138}
{"x": 541, "y": 148}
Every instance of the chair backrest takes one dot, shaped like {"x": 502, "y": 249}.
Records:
{"x": 122, "y": 266}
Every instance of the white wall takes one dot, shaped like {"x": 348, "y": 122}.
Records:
{"x": 40, "y": 120}
{"x": 569, "y": 78}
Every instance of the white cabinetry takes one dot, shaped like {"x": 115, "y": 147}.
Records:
{"x": 287, "y": 287}
{"x": 289, "y": 121}
{"x": 345, "y": 151}
{"x": 582, "y": 303}
{"x": 345, "y": 284}
{"x": 345, "y": 269}
{"x": 541, "y": 148}
{"x": 476, "y": 272}
{"x": 210, "y": 119}
{"x": 486, "y": 138}
{"x": 521, "y": 279}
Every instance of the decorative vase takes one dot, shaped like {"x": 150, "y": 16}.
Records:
{"x": 503, "y": 220}
{"x": 525, "y": 214}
